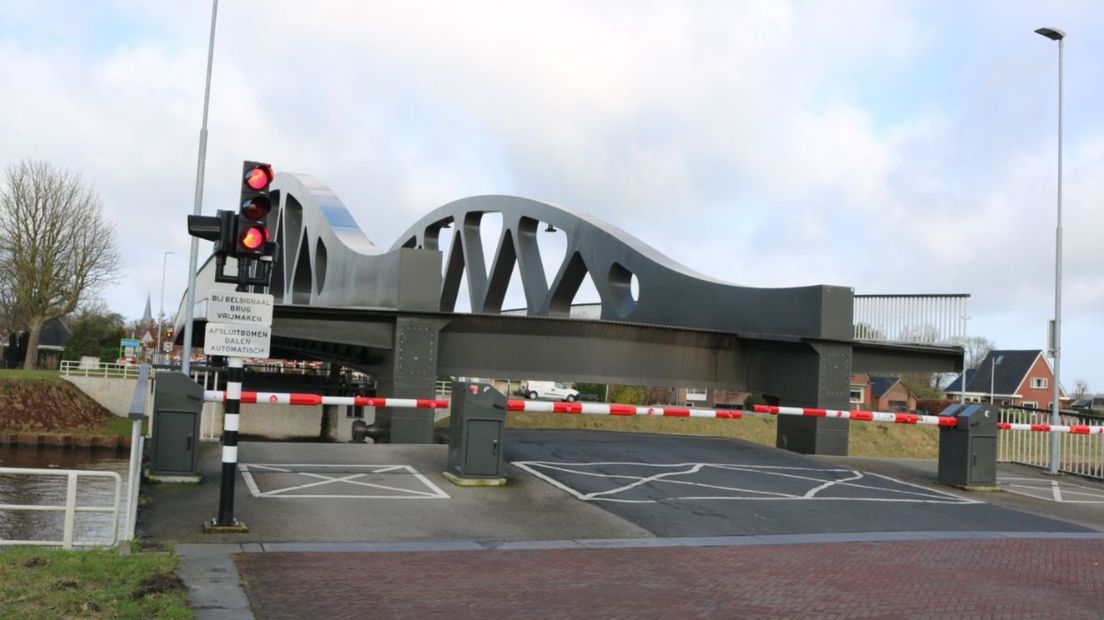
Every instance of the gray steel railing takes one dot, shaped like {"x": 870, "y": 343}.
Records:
{"x": 70, "y": 507}
{"x": 931, "y": 319}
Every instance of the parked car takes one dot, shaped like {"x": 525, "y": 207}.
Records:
{"x": 549, "y": 389}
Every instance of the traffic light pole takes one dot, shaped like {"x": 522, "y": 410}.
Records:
{"x": 245, "y": 236}
{"x": 230, "y": 426}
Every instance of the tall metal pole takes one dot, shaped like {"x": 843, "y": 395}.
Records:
{"x": 992, "y": 373}
{"x": 197, "y": 208}
{"x": 1057, "y": 404}
{"x": 1057, "y": 35}
{"x": 161, "y": 307}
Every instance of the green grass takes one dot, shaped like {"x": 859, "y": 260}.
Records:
{"x": 865, "y": 439}
{"x": 30, "y": 375}
{"x": 44, "y": 583}
{"x": 120, "y": 427}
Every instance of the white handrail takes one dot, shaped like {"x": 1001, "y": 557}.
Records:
{"x": 1082, "y": 454}
{"x": 70, "y": 506}
{"x": 101, "y": 369}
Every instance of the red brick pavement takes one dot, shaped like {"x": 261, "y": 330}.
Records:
{"x": 917, "y": 579}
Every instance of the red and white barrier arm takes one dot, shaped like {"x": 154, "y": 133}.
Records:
{"x": 289, "y": 398}
{"x": 286, "y": 398}
{"x": 863, "y": 416}
{"x": 1075, "y": 429}
{"x": 620, "y": 410}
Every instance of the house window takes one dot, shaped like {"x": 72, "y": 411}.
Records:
{"x": 1038, "y": 383}
{"x": 697, "y": 394}
{"x": 1030, "y": 404}
{"x": 856, "y": 393}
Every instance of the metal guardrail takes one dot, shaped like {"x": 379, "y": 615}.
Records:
{"x": 1082, "y": 455}
{"x": 70, "y": 506}
{"x": 107, "y": 371}
{"x": 938, "y": 319}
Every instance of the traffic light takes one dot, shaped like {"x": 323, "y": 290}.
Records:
{"x": 251, "y": 233}
{"x": 244, "y": 234}
{"x": 218, "y": 228}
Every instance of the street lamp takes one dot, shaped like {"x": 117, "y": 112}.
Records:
{"x": 992, "y": 372}
{"x": 197, "y": 205}
{"x": 161, "y": 307}
{"x": 1057, "y": 35}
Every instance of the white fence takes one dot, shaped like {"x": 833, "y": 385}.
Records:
{"x": 99, "y": 369}
{"x": 1082, "y": 455}
{"x": 70, "y": 506}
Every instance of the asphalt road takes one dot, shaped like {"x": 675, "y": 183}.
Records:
{"x": 571, "y": 485}
{"x": 693, "y": 486}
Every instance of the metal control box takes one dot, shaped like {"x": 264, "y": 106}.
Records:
{"x": 177, "y": 403}
{"x": 476, "y": 421}
{"x": 968, "y": 450}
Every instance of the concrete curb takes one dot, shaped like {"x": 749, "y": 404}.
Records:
{"x": 214, "y": 585}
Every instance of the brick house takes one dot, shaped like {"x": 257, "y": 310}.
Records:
{"x": 1019, "y": 378}
{"x": 709, "y": 397}
{"x": 880, "y": 393}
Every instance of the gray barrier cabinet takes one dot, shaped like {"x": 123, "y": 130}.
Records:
{"x": 177, "y": 403}
{"x": 476, "y": 421}
{"x": 968, "y": 451}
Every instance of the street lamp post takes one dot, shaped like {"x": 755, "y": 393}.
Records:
{"x": 1057, "y": 35}
{"x": 197, "y": 205}
{"x": 992, "y": 373}
{"x": 161, "y": 308}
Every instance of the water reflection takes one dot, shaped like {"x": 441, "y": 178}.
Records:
{"x": 50, "y": 490}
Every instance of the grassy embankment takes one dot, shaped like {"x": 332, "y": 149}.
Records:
{"x": 865, "y": 439}
{"x": 98, "y": 583}
{"x": 40, "y": 402}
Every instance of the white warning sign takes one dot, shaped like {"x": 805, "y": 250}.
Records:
{"x": 237, "y": 340}
{"x": 239, "y": 308}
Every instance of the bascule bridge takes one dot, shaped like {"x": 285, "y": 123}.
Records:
{"x": 392, "y": 313}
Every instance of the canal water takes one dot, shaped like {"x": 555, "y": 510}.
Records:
{"x": 49, "y": 490}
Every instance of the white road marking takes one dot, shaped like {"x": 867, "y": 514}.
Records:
{"x": 247, "y": 470}
{"x": 543, "y": 469}
{"x": 1053, "y": 490}
{"x": 813, "y": 491}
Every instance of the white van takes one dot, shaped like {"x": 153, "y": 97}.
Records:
{"x": 549, "y": 389}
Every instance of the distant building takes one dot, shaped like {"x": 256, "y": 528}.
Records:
{"x": 1089, "y": 402}
{"x": 51, "y": 344}
{"x": 1021, "y": 378}
{"x": 881, "y": 393}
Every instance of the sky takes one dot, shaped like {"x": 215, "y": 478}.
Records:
{"x": 889, "y": 146}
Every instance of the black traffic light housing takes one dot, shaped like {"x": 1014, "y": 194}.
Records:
{"x": 251, "y": 234}
{"x": 244, "y": 234}
{"x": 219, "y": 228}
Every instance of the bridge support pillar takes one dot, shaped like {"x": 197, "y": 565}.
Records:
{"x": 825, "y": 384}
{"x": 410, "y": 371}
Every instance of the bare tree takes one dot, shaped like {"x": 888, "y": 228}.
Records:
{"x": 977, "y": 347}
{"x": 1080, "y": 389}
{"x": 56, "y": 247}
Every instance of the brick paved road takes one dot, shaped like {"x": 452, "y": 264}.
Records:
{"x": 1015, "y": 578}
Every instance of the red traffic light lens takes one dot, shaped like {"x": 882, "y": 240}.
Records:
{"x": 254, "y": 237}
{"x": 258, "y": 178}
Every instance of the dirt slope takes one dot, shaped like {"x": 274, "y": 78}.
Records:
{"x": 50, "y": 405}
